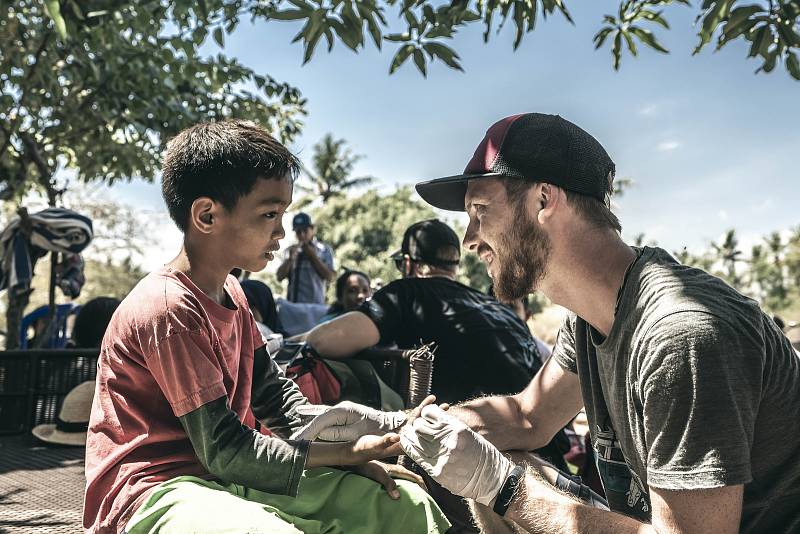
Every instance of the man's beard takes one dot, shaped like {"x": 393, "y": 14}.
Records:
{"x": 522, "y": 252}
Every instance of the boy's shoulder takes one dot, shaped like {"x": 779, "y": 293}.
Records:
{"x": 162, "y": 304}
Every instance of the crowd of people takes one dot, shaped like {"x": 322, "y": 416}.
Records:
{"x": 690, "y": 390}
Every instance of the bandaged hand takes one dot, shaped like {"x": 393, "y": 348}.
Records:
{"x": 346, "y": 421}
{"x": 455, "y": 456}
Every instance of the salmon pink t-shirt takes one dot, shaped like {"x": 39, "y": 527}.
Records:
{"x": 168, "y": 350}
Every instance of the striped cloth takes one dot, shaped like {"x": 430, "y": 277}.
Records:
{"x": 52, "y": 229}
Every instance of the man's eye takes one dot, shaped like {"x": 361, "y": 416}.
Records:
{"x": 271, "y": 214}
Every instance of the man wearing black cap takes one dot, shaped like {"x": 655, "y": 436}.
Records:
{"x": 691, "y": 391}
{"x": 308, "y": 264}
{"x": 482, "y": 346}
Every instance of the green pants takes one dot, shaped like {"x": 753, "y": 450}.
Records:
{"x": 329, "y": 501}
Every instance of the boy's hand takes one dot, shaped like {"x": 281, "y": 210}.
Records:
{"x": 369, "y": 447}
{"x": 384, "y": 474}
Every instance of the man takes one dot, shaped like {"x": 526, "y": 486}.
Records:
{"x": 482, "y": 346}
{"x": 308, "y": 264}
{"x": 692, "y": 392}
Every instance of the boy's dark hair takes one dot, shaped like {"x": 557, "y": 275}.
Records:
{"x": 92, "y": 321}
{"x": 222, "y": 161}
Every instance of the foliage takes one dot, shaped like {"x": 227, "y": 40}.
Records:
{"x": 330, "y": 175}
{"x": 426, "y": 27}
{"x": 365, "y": 230}
{"x": 97, "y": 86}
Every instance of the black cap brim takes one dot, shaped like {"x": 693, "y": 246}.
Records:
{"x": 448, "y": 193}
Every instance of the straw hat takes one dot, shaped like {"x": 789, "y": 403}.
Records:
{"x": 73, "y": 421}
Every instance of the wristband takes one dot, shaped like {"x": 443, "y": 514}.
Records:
{"x": 508, "y": 490}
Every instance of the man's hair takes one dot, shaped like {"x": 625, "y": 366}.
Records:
{"x": 445, "y": 253}
{"x": 595, "y": 212}
{"x": 222, "y": 161}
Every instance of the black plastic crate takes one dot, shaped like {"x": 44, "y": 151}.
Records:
{"x": 34, "y": 383}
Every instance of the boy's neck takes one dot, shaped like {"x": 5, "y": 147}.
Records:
{"x": 203, "y": 272}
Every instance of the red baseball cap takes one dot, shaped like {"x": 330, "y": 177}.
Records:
{"x": 529, "y": 146}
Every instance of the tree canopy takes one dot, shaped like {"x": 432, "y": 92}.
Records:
{"x": 96, "y": 87}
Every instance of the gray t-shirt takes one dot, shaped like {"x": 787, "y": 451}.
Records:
{"x": 694, "y": 387}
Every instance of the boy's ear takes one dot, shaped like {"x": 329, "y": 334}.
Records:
{"x": 203, "y": 214}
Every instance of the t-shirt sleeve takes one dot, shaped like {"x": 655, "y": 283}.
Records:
{"x": 387, "y": 308}
{"x": 327, "y": 257}
{"x": 564, "y": 349}
{"x": 699, "y": 386}
{"x": 187, "y": 370}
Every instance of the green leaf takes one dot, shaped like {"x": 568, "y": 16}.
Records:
{"x": 761, "y": 40}
{"x": 769, "y": 62}
{"x": 290, "y": 14}
{"x": 219, "y": 37}
{"x": 419, "y": 60}
{"x": 654, "y": 16}
{"x": 792, "y": 65}
{"x": 717, "y": 12}
{"x": 648, "y": 38}
{"x": 601, "y": 37}
{"x": 400, "y": 57}
{"x": 53, "y": 9}
{"x": 374, "y": 31}
{"x": 616, "y": 50}
{"x": 445, "y": 53}
{"x": 631, "y": 43}
{"x": 398, "y": 37}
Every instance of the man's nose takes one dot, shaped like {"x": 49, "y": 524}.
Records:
{"x": 470, "y": 241}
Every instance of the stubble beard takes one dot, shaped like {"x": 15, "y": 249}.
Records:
{"x": 523, "y": 252}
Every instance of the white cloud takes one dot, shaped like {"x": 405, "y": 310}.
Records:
{"x": 762, "y": 206}
{"x": 723, "y": 215}
{"x": 648, "y": 110}
{"x": 668, "y": 146}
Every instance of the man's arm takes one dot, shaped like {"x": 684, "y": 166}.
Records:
{"x": 286, "y": 267}
{"x": 529, "y": 419}
{"x": 324, "y": 272}
{"x": 538, "y": 507}
{"x": 344, "y": 336}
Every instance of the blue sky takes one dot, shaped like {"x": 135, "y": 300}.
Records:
{"x": 710, "y": 145}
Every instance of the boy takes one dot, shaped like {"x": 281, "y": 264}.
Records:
{"x": 183, "y": 375}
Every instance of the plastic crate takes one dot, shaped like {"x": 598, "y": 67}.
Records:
{"x": 33, "y": 384}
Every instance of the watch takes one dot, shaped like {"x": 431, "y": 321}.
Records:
{"x": 508, "y": 490}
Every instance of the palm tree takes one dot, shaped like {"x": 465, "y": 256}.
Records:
{"x": 332, "y": 164}
{"x": 728, "y": 254}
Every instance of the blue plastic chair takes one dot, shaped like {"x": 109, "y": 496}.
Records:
{"x": 58, "y": 338}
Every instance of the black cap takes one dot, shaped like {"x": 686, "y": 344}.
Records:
{"x": 301, "y": 220}
{"x": 531, "y": 146}
{"x": 424, "y": 240}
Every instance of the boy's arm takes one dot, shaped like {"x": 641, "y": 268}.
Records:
{"x": 235, "y": 453}
{"x": 274, "y": 398}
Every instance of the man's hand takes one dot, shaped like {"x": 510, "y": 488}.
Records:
{"x": 308, "y": 249}
{"x": 346, "y": 421}
{"x": 455, "y": 456}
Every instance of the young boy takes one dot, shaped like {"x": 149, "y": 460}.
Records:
{"x": 183, "y": 374}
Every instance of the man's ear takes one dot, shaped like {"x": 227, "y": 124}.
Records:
{"x": 203, "y": 214}
{"x": 548, "y": 198}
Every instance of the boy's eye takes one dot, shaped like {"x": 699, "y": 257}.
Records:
{"x": 271, "y": 214}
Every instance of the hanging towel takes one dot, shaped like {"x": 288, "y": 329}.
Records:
{"x": 52, "y": 229}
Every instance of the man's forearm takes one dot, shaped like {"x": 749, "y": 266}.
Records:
{"x": 284, "y": 268}
{"x": 539, "y": 507}
{"x": 322, "y": 270}
{"x": 499, "y": 419}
